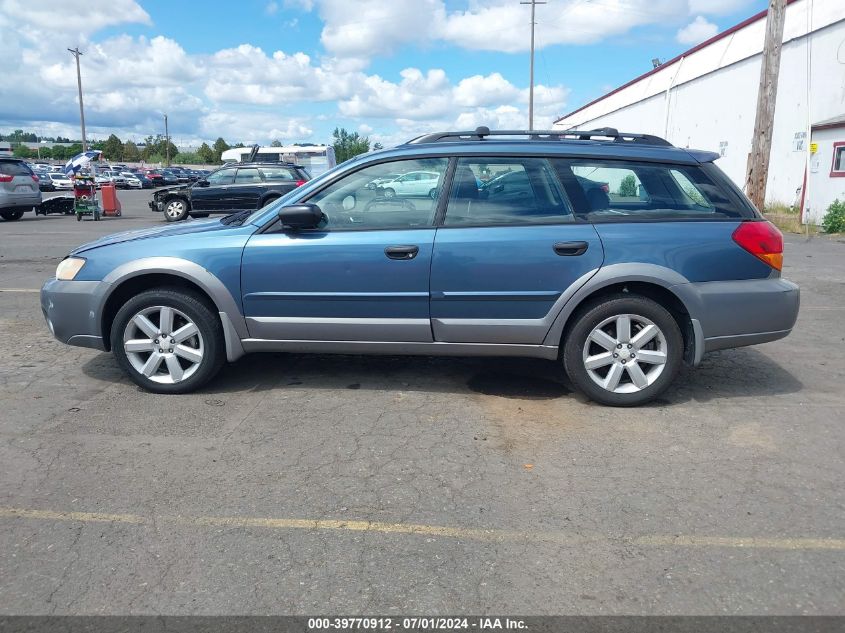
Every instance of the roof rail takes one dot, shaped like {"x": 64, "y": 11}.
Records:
{"x": 482, "y": 133}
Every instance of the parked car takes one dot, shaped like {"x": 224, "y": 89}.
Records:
{"x": 377, "y": 182}
{"x": 414, "y": 183}
{"x": 132, "y": 180}
{"x": 19, "y": 189}
{"x": 61, "y": 182}
{"x": 622, "y": 290}
{"x": 45, "y": 183}
{"x": 168, "y": 178}
{"x": 155, "y": 177}
{"x": 247, "y": 186}
{"x": 180, "y": 174}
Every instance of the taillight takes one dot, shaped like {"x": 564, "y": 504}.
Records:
{"x": 605, "y": 187}
{"x": 763, "y": 240}
{"x": 34, "y": 177}
{"x": 299, "y": 183}
{"x": 6, "y": 177}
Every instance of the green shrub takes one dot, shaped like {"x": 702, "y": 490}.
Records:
{"x": 834, "y": 219}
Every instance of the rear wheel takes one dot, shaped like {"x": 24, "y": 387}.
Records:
{"x": 168, "y": 340}
{"x": 623, "y": 350}
{"x": 176, "y": 210}
{"x": 11, "y": 216}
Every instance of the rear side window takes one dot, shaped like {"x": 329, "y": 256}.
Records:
{"x": 13, "y": 168}
{"x": 489, "y": 191}
{"x": 247, "y": 176}
{"x": 279, "y": 173}
{"x": 616, "y": 190}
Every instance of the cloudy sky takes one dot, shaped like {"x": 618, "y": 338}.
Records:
{"x": 259, "y": 70}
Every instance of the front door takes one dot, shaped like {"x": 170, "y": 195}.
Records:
{"x": 362, "y": 276}
{"x": 213, "y": 196}
{"x": 507, "y": 252}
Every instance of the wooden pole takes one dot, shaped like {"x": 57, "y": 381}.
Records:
{"x": 757, "y": 172}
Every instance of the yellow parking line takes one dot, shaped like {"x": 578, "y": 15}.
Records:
{"x": 471, "y": 534}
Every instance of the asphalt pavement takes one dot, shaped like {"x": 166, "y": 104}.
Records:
{"x": 387, "y": 485}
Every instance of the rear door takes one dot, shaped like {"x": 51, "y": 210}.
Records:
{"x": 505, "y": 255}
{"x": 247, "y": 189}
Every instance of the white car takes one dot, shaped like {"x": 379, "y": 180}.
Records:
{"x": 414, "y": 183}
{"x": 60, "y": 181}
{"x": 132, "y": 180}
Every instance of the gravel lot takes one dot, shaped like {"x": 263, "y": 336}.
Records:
{"x": 333, "y": 484}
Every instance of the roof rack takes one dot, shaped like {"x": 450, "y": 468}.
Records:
{"x": 482, "y": 133}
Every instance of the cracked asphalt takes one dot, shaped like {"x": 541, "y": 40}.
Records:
{"x": 335, "y": 484}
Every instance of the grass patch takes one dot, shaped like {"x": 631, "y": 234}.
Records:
{"x": 790, "y": 223}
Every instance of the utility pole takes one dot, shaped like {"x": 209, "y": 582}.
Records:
{"x": 757, "y": 172}
{"x": 166, "y": 142}
{"x": 75, "y": 52}
{"x": 533, "y": 4}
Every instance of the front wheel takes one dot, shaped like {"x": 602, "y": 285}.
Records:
{"x": 623, "y": 350}
{"x": 168, "y": 340}
{"x": 176, "y": 210}
{"x": 389, "y": 193}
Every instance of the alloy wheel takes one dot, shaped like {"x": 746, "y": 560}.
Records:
{"x": 175, "y": 209}
{"x": 625, "y": 353}
{"x": 163, "y": 344}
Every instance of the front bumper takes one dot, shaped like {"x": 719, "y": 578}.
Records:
{"x": 72, "y": 311}
{"x": 156, "y": 205}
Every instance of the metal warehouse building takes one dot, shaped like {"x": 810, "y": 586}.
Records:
{"x": 706, "y": 98}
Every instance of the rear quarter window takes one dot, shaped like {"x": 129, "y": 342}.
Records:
{"x": 624, "y": 191}
{"x": 277, "y": 174}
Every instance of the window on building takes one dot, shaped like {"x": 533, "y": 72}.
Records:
{"x": 838, "y": 168}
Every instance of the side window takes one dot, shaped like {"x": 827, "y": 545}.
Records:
{"x": 247, "y": 176}
{"x": 278, "y": 173}
{"x": 505, "y": 191}
{"x": 370, "y": 199}
{"x": 617, "y": 190}
{"x": 222, "y": 177}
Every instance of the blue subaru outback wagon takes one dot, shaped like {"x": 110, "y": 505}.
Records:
{"x": 617, "y": 254}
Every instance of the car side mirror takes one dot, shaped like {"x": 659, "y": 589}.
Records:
{"x": 202, "y": 183}
{"x": 297, "y": 217}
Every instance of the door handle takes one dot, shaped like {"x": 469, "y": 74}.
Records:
{"x": 569, "y": 249}
{"x": 402, "y": 252}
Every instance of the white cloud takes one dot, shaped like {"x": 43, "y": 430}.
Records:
{"x": 271, "y": 8}
{"x": 697, "y": 31}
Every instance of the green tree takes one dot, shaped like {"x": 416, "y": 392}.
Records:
{"x": 130, "y": 152}
{"x": 205, "y": 154}
{"x": 156, "y": 146}
{"x": 219, "y": 147}
{"x": 628, "y": 187}
{"x": 113, "y": 148}
{"x": 22, "y": 151}
{"x": 276, "y": 143}
{"x": 188, "y": 158}
{"x": 348, "y": 145}
{"x": 834, "y": 219}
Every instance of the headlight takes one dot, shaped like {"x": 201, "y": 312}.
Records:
{"x": 68, "y": 268}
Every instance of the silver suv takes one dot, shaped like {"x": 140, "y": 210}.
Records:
{"x": 19, "y": 190}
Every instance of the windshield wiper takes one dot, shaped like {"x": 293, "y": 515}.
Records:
{"x": 237, "y": 218}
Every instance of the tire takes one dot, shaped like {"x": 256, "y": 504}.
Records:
{"x": 176, "y": 210}
{"x": 389, "y": 193}
{"x": 433, "y": 194}
{"x": 646, "y": 360}
{"x": 11, "y": 216}
{"x": 268, "y": 200}
{"x": 182, "y": 366}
